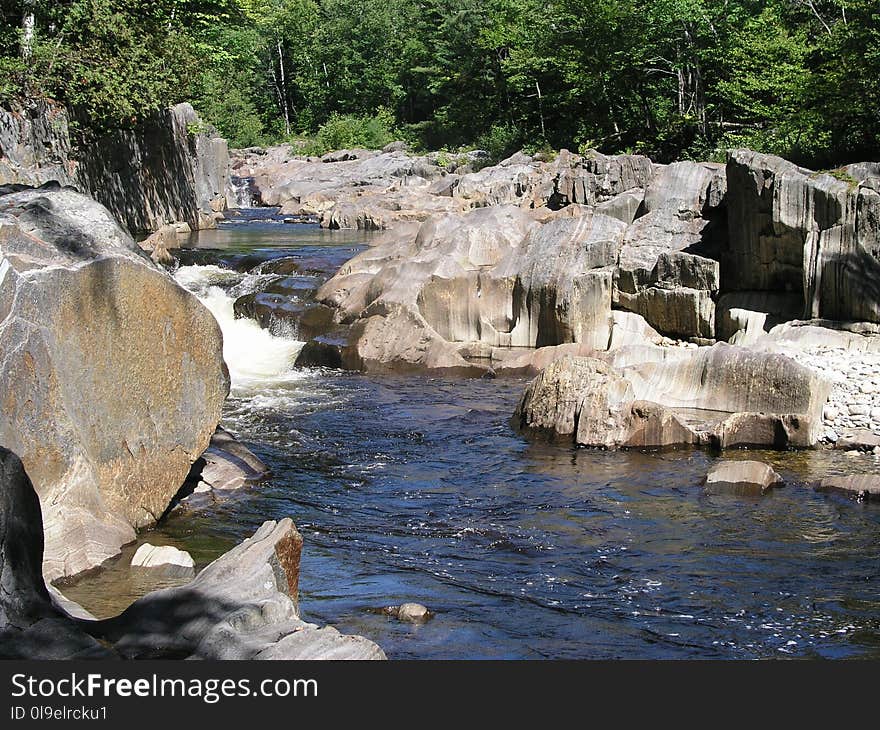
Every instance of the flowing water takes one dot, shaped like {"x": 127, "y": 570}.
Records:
{"x": 417, "y": 489}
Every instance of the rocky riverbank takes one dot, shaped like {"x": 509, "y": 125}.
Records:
{"x": 509, "y": 268}
{"x": 691, "y": 304}
{"x": 114, "y": 382}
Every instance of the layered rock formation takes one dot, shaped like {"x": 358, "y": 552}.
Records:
{"x": 586, "y": 254}
{"x": 816, "y": 235}
{"x": 242, "y": 606}
{"x": 656, "y": 397}
{"x": 112, "y": 374}
{"x": 171, "y": 168}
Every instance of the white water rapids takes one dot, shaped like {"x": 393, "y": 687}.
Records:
{"x": 255, "y": 357}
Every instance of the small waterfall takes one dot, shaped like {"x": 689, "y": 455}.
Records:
{"x": 255, "y": 357}
{"x": 242, "y": 191}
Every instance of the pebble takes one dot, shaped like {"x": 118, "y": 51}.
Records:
{"x": 414, "y": 613}
{"x": 854, "y": 401}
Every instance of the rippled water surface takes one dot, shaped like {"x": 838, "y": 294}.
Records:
{"x": 413, "y": 488}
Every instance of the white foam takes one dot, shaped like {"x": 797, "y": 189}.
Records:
{"x": 255, "y": 357}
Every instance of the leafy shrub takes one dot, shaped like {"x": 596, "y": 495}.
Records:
{"x": 349, "y": 131}
{"x": 501, "y": 141}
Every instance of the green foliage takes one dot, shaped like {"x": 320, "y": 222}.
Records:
{"x": 669, "y": 78}
{"x": 500, "y": 141}
{"x": 348, "y": 131}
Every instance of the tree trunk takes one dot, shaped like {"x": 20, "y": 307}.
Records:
{"x": 284, "y": 101}
{"x": 28, "y": 29}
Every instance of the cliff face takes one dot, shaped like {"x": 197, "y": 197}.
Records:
{"x": 171, "y": 168}
{"x": 168, "y": 169}
{"x": 35, "y": 146}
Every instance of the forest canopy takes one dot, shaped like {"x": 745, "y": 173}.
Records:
{"x": 669, "y": 78}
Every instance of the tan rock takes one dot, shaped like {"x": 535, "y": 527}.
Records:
{"x": 112, "y": 376}
{"x": 747, "y": 478}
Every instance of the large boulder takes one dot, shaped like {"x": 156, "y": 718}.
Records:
{"x": 587, "y": 401}
{"x": 112, "y": 374}
{"x": 32, "y": 624}
{"x": 653, "y": 396}
{"x": 558, "y": 282}
{"x": 815, "y": 235}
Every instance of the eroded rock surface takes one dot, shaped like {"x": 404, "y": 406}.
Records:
{"x": 112, "y": 375}
{"x": 657, "y": 397}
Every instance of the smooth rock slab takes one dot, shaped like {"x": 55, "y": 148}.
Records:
{"x": 745, "y": 478}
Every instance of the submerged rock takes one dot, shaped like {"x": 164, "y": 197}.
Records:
{"x": 113, "y": 378}
{"x": 862, "y": 487}
{"x": 167, "y": 558}
{"x": 746, "y": 478}
{"x": 413, "y": 613}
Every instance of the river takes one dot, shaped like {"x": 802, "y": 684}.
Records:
{"x": 417, "y": 489}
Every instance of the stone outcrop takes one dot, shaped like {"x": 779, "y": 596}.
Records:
{"x": 655, "y": 397}
{"x": 112, "y": 375}
{"x": 242, "y": 606}
{"x": 744, "y": 478}
{"x": 170, "y": 168}
{"x": 35, "y": 145}
{"x": 815, "y": 235}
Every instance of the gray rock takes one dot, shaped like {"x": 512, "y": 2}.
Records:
{"x": 35, "y": 145}
{"x": 665, "y": 273}
{"x": 742, "y": 318}
{"x": 808, "y": 233}
{"x": 172, "y": 167}
{"x": 396, "y": 146}
{"x": 748, "y": 478}
{"x": 82, "y": 307}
